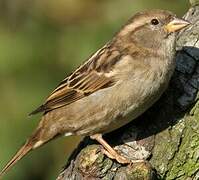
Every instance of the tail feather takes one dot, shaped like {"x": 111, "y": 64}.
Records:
{"x": 26, "y": 148}
{"x": 32, "y": 143}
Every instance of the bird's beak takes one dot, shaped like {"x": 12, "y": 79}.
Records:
{"x": 175, "y": 25}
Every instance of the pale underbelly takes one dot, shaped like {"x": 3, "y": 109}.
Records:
{"x": 107, "y": 121}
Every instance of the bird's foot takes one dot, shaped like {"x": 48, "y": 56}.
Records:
{"x": 112, "y": 153}
{"x": 119, "y": 158}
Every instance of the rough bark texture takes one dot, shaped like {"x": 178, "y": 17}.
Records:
{"x": 166, "y": 136}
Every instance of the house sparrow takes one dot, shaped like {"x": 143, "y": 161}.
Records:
{"x": 114, "y": 86}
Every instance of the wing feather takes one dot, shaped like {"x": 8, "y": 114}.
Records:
{"x": 87, "y": 79}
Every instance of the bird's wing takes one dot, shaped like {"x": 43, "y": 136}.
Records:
{"x": 95, "y": 74}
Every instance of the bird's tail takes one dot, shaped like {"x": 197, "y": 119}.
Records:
{"x": 32, "y": 143}
{"x": 27, "y": 147}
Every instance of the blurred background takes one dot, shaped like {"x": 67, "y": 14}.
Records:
{"x": 41, "y": 41}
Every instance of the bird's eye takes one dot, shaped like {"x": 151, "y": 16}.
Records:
{"x": 154, "y": 22}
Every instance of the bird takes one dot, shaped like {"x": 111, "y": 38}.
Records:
{"x": 113, "y": 86}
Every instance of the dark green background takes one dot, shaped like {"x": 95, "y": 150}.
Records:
{"x": 41, "y": 41}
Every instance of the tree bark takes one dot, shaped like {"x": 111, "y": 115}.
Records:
{"x": 166, "y": 136}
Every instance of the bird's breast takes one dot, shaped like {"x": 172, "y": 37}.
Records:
{"x": 137, "y": 95}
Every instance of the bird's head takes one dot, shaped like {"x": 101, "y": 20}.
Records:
{"x": 152, "y": 28}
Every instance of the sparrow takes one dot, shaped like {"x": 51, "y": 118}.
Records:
{"x": 113, "y": 87}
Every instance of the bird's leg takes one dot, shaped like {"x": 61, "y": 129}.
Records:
{"x": 109, "y": 151}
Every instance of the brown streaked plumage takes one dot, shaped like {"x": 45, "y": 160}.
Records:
{"x": 84, "y": 81}
{"x": 114, "y": 86}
